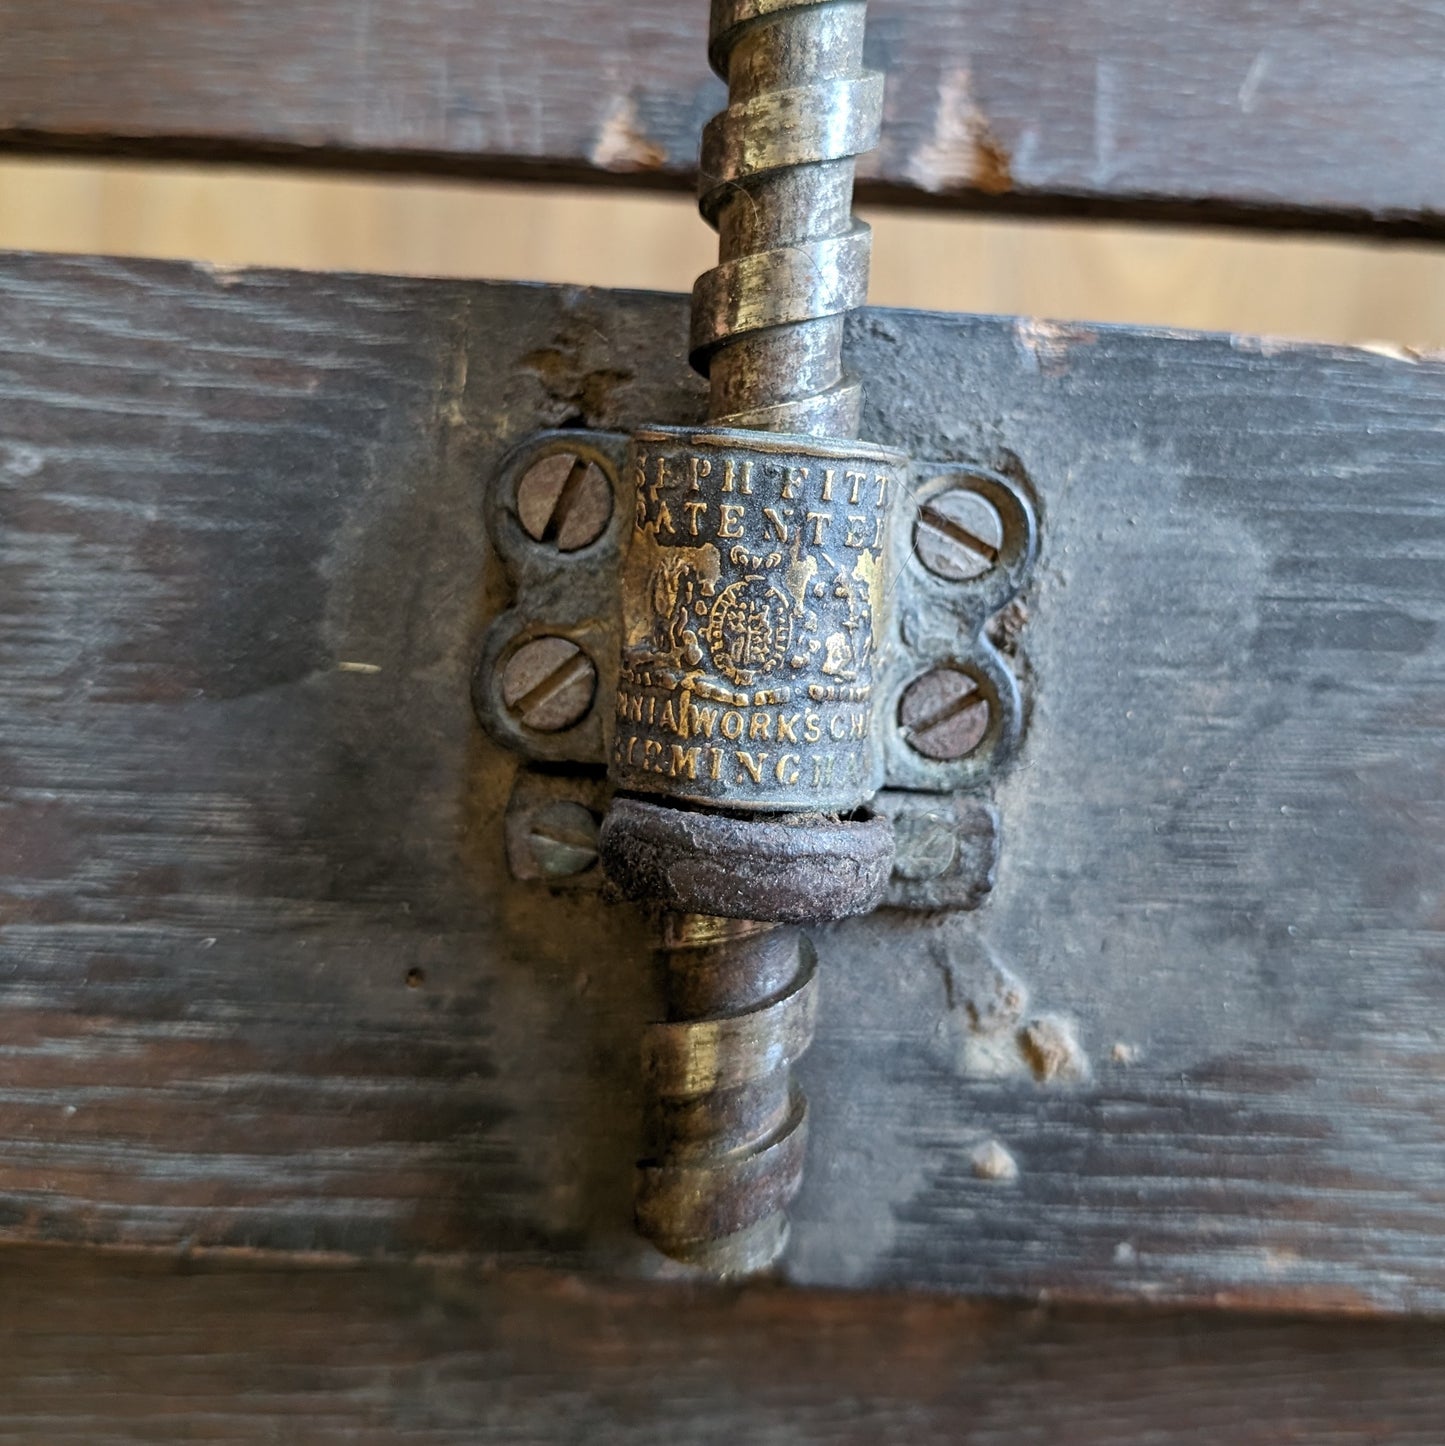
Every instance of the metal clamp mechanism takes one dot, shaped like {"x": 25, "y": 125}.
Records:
{"x": 756, "y": 626}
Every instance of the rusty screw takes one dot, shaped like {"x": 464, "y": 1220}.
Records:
{"x": 563, "y": 839}
{"x": 548, "y": 684}
{"x": 959, "y": 534}
{"x": 944, "y": 714}
{"x": 564, "y": 501}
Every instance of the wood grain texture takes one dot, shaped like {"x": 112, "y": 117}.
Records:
{"x": 264, "y": 981}
{"x": 1322, "y": 114}
{"x": 100, "y": 1352}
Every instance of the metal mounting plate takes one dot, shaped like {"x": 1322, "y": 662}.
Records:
{"x": 939, "y": 624}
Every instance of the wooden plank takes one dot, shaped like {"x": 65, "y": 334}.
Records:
{"x": 264, "y": 980}
{"x": 1323, "y": 115}
{"x": 98, "y": 1352}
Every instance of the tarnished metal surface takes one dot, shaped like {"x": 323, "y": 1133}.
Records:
{"x": 546, "y": 493}
{"x": 944, "y": 715}
{"x": 725, "y": 1127}
{"x": 754, "y": 613}
{"x": 956, "y": 695}
{"x": 564, "y": 500}
{"x": 946, "y": 850}
{"x": 551, "y": 828}
{"x": 548, "y": 684}
{"x": 754, "y": 598}
{"x": 929, "y": 619}
{"x": 777, "y": 182}
{"x": 959, "y": 534}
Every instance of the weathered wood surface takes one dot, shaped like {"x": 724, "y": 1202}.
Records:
{"x": 1324, "y": 114}
{"x": 98, "y": 1352}
{"x": 264, "y": 980}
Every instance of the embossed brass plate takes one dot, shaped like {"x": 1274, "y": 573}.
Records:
{"x": 754, "y": 619}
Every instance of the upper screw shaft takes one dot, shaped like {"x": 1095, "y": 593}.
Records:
{"x": 777, "y": 183}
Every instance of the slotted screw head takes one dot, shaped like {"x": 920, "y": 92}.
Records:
{"x": 926, "y": 844}
{"x": 958, "y": 535}
{"x": 563, "y": 839}
{"x": 548, "y": 684}
{"x": 944, "y": 714}
{"x": 564, "y": 501}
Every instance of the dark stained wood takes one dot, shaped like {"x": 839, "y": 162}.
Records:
{"x": 98, "y": 1352}
{"x": 1324, "y": 114}
{"x": 264, "y": 981}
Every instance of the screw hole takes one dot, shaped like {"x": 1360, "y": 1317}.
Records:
{"x": 415, "y": 978}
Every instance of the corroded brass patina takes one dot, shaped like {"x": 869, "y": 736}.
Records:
{"x": 754, "y": 620}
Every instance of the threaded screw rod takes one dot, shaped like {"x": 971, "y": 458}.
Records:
{"x": 726, "y": 1126}
{"x": 777, "y": 183}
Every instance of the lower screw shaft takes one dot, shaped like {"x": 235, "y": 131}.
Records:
{"x": 725, "y": 1126}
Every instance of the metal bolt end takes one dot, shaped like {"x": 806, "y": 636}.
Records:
{"x": 945, "y": 714}
{"x": 549, "y": 684}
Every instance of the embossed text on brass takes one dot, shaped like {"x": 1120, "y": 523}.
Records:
{"x": 753, "y": 611}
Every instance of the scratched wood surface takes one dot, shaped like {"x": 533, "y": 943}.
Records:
{"x": 264, "y": 980}
{"x": 1323, "y": 114}
{"x": 100, "y": 1352}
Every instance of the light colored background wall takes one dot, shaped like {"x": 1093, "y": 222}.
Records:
{"x": 1321, "y": 290}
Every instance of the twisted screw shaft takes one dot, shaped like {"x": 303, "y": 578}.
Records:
{"x": 777, "y": 182}
{"x": 726, "y": 1125}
